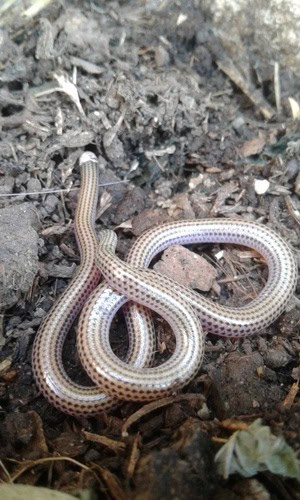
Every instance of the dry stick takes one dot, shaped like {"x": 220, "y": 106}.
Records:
{"x": 148, "y": 408}
{"x": 34, "y": 463}
{"x": 277, "y": 89}
{"x": 254, "y": 95}
{"x": 5, "y": 472}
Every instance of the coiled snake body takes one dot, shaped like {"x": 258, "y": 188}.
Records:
{"x": 188, "y": 313}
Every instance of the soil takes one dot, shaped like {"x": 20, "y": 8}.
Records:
{"x": 137, "y": 84}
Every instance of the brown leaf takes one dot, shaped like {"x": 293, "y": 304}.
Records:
{"x": 253, "y": 147}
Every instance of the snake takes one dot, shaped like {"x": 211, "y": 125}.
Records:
{"x": 131, "y": 285}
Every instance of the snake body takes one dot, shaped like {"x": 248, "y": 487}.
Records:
{"x": 187, "y": 312}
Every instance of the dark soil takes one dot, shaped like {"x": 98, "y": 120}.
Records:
{"x": 176, "y": 139}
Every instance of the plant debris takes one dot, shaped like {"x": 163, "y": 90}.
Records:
{"x": 256, "y": 449}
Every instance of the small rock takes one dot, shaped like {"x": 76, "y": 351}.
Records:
{"x": 238, "y": 123}
{"x": 43, "y": 213}
{"x": 292, "y": 169}
{"x": 187, "y": 268}
{"x": 296, "y": 373}
{"x": 162, "y": 57}
{"x": 261, "y": 186}
{"x": 262, "y": 345}
{"x": 18, "y": 252}
{"x": 55, "y": 218}
{"x": 6, "y": 184}
{"x": 276, "y": 358}
{"x": 203, "y": 413}
{"x": 51, "y": 203}
{"x": 181, "y": 19}
{"x": 247, "y": 346}
{"x": 39, "y": 313}
{"x": 164, "y": 188}
{"x": 195, "y": 181}
{"x": 113, "y": 101}
{"x": 188, "y": 102}
{"x": 33, "y": 186}
{"x": 23, "y": 178}
{"x": 113, "y": 147}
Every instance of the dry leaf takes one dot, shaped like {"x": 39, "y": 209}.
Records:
{"x": 253, "y": 147}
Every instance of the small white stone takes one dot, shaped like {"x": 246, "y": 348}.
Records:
{"x": 261, "y": 186}
{"x": 181, "y": 18}
{"x": 195, "y": 181}
{"x": 219, "y": 255}
{"x": 203, "y": 413}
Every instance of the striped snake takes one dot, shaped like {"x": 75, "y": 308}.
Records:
{"x": 190, "y": 315}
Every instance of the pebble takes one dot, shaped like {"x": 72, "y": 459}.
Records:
{"x": 51, "y": 203}
{"x": 292, "y": 169}
{"x": 162, "y": 57}
{"x": 204, "y": 413}
{"x": 276, "y": 358}
{"x": 238, "y": 123}
{"x": 187, "y": 268}
{"x": 33, "y": 186}
{"x": 6, "y": 184}
{"x": 261, "y": 186}
{"x": 39, "y": 313}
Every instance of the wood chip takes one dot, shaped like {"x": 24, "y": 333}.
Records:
{"x": 117, "y": 446}
{"x": 253, "y": 147}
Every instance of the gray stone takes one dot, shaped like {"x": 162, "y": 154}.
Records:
{"x": 6, "y": 184}
{"x": 33, "y": 186}
{"x": 51, "y": 203}
{"x": 18, "y": 252}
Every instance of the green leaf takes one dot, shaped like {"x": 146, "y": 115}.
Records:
{"x": 254, "y": 450}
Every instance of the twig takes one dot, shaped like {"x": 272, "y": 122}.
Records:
{"x": 277, "y": 89}
{"x": 34, "y": 463}
{"x": 154, "y": 405}
{"x": 254, "y": 95}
